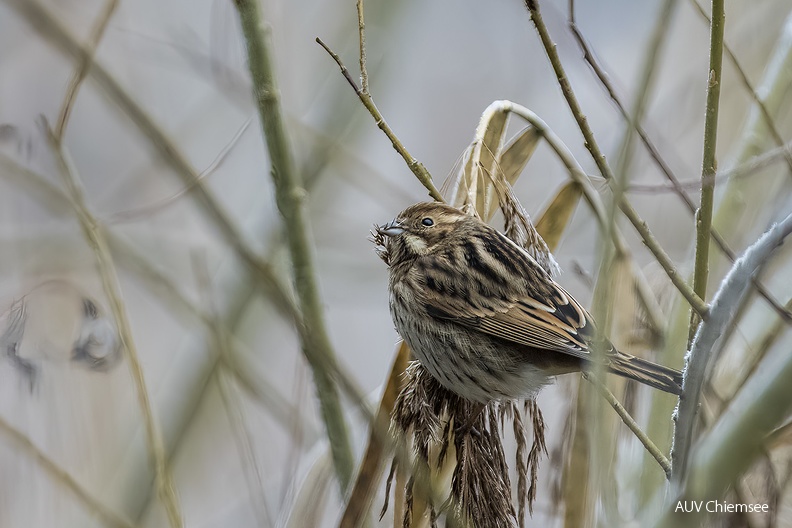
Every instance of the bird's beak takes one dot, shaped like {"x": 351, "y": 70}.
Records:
{"x": 392, "y": 228}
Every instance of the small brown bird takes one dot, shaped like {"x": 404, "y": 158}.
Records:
{"x": 483, "y": 316}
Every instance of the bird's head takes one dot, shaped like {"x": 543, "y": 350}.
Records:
{"x": 419, "y": 230}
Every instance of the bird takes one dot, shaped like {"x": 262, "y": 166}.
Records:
{"x": 57, "y": 322}
{"x": 484, "y": 317}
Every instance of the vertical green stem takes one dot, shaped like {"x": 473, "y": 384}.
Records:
{"x": 290, "y": 198}
{"x": 709, "y": 163}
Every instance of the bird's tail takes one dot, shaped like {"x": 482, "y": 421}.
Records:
{"x": 657, "y": 376}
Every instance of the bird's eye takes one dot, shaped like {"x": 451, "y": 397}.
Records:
{"x": 428, "y": 222}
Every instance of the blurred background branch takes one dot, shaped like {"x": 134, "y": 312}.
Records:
{"x": 291, "y": 197}
{"x": 63, "y": 478}
{"x": 109, "y": 275}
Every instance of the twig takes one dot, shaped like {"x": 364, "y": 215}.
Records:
{"x": 598, "y": 70}
{"x": 290, "y": 198}
{"x": 145, "y": 211}
{"x": 605, "y": 82}
{"x": 104, "y": 260}
{"x": 709, "y": 162}
{"x": 653, "y": 49}
{"x": 698, "y": 305}
{"x": 49, "y": 27}
{"x": 608, "y": 264}
{"x": 621, "y": 180}
{"x": 576, "y": 172}
{"x": 654, "y": 152}
{"x": 83, "y": 67}
{"x": 762, "y": 348}
{"x": 160, "y": 285}
{"x": 230, "y": 398}
{"x": 362, "y": 34}
{"x": 749, "y": 168}
{"x": 766, "y": 115}
{"x": 708, "y": 336}
{"x": 731, "y": 214}
{"x": 675, "y": 185}
{"x": 608, "y": 261}
{"x": 61, "y": 476}
{"x": 414, "y": 165}
{"x": 631, "y": 424}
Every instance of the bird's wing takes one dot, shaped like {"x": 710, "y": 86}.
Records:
{"x": 534, "y": 313}
{"x": 560, "y": 325}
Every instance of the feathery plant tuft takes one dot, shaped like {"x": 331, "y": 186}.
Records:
{"x": 431, "y": 418}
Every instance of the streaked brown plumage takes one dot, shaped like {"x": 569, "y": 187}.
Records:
{"x": 483, "y": 316}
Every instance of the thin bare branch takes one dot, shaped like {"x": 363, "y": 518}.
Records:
{"x": 654, "y": 47}
{"x": 675, "y": 185}
{"x": 630, "y": 422}
{"x": 578, "y": 175}
{"x": 50, "y": 28}
{"x": 414, "y": 165}
{"x": 104, "y": 260}
{"x": 760, "y": 104}
{"x": 230, "y": 398}
{"x": 698, "y": 304}
{"x": 147, "y": 210}
{"x": 62, "y": 477}
{"x": 82, "y": 69}
{"x": 749, "y": 168}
